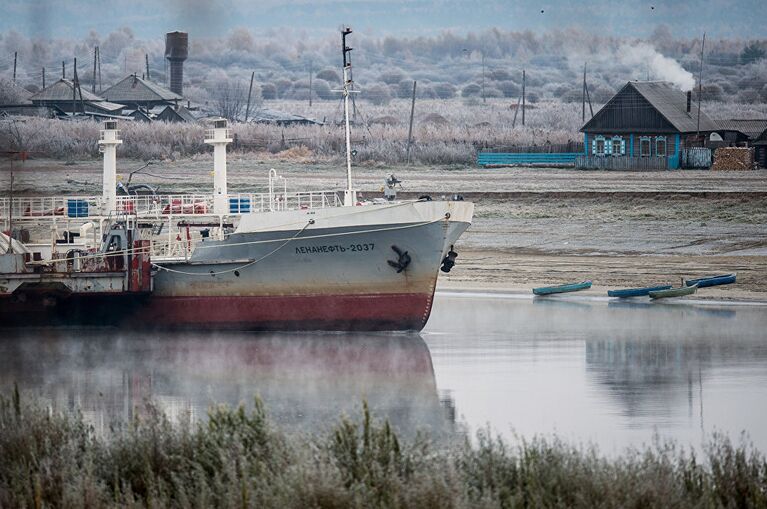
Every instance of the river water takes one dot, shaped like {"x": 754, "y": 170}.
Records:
{"x": 591, "y": 370}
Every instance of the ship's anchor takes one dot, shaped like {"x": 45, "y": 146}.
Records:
{"x": 403, "y": 260}
{"x": 449, "y": 261}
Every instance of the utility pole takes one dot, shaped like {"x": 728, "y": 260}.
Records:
{"x": 74, "y": 88}
{"x": 98, "y": 53}
{"x": 483, "y": 77}
{"x": 125, "y": 62}
{"x": 516, "y": 111}
{"x": 15, "y": 53}
{"x": 524, "y": 103}
{"x": 410, "y": 129}
{"x": 250, "y": 91}
{"x": 583, "y": 95}
{"x": 588, "y": 98}
{"x": 43, "y": 78}
{"x": 146, "y": 59}
{"x": 93, "y": 86}
{"x": 311, "y": 71}
{"x": 700, "y": 81}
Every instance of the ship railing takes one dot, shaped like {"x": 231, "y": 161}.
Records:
{"x": 83, "y": 207}
{"x": 166, "y": 205}
{"x": 49, "y": 207}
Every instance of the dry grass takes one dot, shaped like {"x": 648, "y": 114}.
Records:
{"x": 239, "y": 459}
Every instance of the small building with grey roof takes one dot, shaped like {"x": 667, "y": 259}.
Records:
{"x": 67, "y": 98}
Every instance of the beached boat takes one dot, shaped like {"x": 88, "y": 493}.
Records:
{"x": 637, "y": 292}
{"x": 722, "y": 279}
{"x": 572, "y": 287}
{"x": 674, "y": 292}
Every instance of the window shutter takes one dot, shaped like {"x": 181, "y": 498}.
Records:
{"x": 608, "y": 147}
{"x": 594, "y": 147}
{"x": 623, "y": 147}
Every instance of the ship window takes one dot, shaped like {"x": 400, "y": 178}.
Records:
{"x": 644, "y": 147}
{"x": 660, "y": 147}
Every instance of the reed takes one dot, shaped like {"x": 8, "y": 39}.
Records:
{"x": 238, "y": 458}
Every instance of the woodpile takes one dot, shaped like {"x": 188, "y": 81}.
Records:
{"x": 734, "y": 158}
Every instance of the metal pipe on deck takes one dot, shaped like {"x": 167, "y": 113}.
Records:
{"x": 219, "y": 137}
{"x": 108, "y": 145}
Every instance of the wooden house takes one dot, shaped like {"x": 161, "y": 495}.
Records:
{"x": 646, "y": 125}
{"x": 65, "y": 97}
{"x": 140, "y": 93}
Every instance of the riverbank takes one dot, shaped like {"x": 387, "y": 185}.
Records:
{"x": 241, "y": 459}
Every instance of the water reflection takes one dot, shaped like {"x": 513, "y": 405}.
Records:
{"x": 307, "y": 381}
{"x": 604, "y": 371}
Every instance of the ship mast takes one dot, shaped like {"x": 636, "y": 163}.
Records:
{"x": 350, "y": 195}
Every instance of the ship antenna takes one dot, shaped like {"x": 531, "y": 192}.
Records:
{"x": 350, "y": 197}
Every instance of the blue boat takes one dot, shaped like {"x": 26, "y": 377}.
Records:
{"x": 573, "y": 287}
{"x": 722, "y": 279}
{"x": 636, "y": 292}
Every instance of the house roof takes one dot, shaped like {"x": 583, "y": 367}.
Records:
{"x": 134, "y": 89}
{"x": 668, "y": 101}
{"x": 266, "y": 115}
{"x": 180, "y": 112}
{"x": 62, "y": 91}
{"x": 752, "y": 128}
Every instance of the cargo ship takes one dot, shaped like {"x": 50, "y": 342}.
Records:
{"x": 251, "y": 261}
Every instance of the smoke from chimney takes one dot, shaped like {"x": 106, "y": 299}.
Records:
{"x": 176, "y": 51}
{"x": 644, "y": 56}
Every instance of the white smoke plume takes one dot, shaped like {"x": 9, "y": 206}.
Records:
{"x": 644, "y": 56}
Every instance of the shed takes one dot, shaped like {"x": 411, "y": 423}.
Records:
{"x": 760, "y": 149}
{"x": 740, "y": 130}
{"x": 646, "y": 125}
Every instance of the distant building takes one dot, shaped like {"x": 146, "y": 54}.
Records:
{"x": 140, "y": 93}
{"x": 267, "y": 116}
{"x": 64, "y": 97}
{"x": 648, "y": 125}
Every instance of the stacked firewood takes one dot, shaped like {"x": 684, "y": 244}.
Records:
{"x": 734, "y": 158}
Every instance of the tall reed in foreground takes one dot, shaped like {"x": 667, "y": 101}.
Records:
{"x": 238, "y": 458}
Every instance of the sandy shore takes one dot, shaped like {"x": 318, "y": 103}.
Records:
{"x": 532, "y": 227}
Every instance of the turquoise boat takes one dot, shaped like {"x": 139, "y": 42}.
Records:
{"x": 722, "y": 279}
{"x": 572, "y": 287}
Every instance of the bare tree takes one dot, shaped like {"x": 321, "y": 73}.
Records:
{"x": 231, "y": 99}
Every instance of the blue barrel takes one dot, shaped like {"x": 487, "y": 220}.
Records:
{"x": 77, "y": 208}
{"x": 239, "y": 205}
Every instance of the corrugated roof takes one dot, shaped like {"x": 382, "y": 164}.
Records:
{"x": 62, "y": 91}
{"x": 134, "y": 89}
{"x": 672, "y": 104}
{"x": 750, "y": 127}
{"x": 266, "y": 115}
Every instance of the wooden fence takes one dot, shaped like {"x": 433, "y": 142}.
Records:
{"x": 621, "y": 163}
{"x": 572, "y": 147}
{"x": 695, "y": 158}
{"x": 542, "y": 159}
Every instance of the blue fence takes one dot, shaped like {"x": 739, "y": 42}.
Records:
{"x": 505, "y": 158}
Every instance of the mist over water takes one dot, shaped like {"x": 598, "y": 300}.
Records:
{"x": 610, "y": 373}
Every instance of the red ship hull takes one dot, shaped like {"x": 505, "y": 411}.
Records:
{"x": 366, "y": 312}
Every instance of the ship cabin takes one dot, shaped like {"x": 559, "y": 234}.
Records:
{"x": 646, "y": 125}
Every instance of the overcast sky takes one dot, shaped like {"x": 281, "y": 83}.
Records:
{"x": 152, "y": 18}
